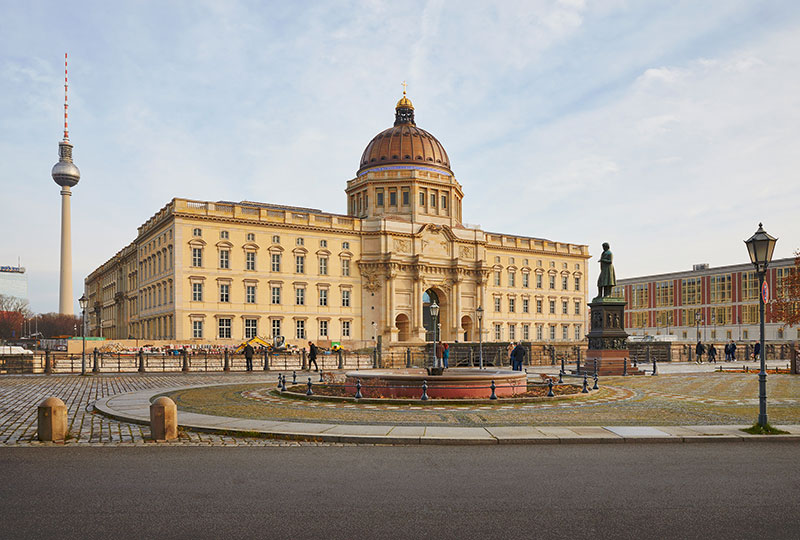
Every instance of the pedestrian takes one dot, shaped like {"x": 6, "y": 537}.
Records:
{"x": 517, "y": 356}
{"x": 248, "y": 356}
{"x": 700, "y": 350}
{"x": 712, "y": 354}
{"x": 509, "y": 350}
{"x": 312, "y": 356}
{"x": 733, "y": 351}
{"x": 439, "y": 354}
{"x": 757, "y": 351}
{"x": 446, "y": 355}
{"x": 727, "y": 352}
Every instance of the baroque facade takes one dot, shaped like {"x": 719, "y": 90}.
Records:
{"x": 224, "y": 271}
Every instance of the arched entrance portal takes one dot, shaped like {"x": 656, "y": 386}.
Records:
{"x": 466, "y": 328}
{"x": 403, "y": 327}
{"x": 428, "y": 297}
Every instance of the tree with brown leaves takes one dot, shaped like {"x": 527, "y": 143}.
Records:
{"x": 787, "y": 304}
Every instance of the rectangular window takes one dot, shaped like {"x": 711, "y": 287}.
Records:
{"x": 406, "y": 197}
{"x": 422, "y": 198}
{"x": 538, "y": 306}
{"x": 197, "y": 329}
{"x": 250, "y": 294}
{"x": 276, "y": 239}
{"x": 250, "y": 260}
{"x": 345, "y": 329}
{"x": 539, "y": 332}
{"x": 692, "y": 291}
{"x": 323, "y": 266}
{"x": 538, "y": 281}
{"x": 224, "y": 258}
{"x": 323, "y": 329}
{"x": 300, "y": 329}
{"x": 497, "y": 279}
{"x": 345, "y": 298}
{"x": 197, "y": 292}
{"x": 552, "y": 307}
{"x": 300, "y": 264}
{"x": 250, "y": 328}
{"x": 512, "y": 332}
{"x": 565, "y": 332}
{"x": 444, "y": 202}
{"x": 197, "y": 257}
{"x": 345, "y": 245}
{"x": 433, "y": 200}
{"x": 720, "y": 288}
{"x": 379, "y": 197}
{"x": 577, "y": 283}
{"x": 749, "y": 286}
{"x": 512, "y": 305}
{"x": 525, "y": 280}
{"x": 664, "y": 292}
{"x": 300, "y": 296}
{"x": 578, "y": 335}
{"x": 276, "y": 262}
{"x": 552, "y": 333}
{"x": 224, "y": 292}
{"x": 750, "y": 314}
{"x": 392, "y": 198}
{"x": 345, "y": 267}
{"x": 276, "y": 328}
{"x": 639, "y": 319}
{"x": 323, "y": 297}
{"x": 552, "y": 282}
{"x": 526, "y": 332}
{"x": 641, "y": 296}
{"x": 577, "y": 307}
{"x": 564, "y": 283}
{"x": 497, "y": 304}
{"x": 498, "y": 332}
{"x": 512, "y": 279}
{"x": 525, "y": 303}
{"x": 276, "y": 295}
{"x": 224, "y": 328}
{"x": 564, "y": 307}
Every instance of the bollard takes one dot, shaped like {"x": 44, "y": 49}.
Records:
{"x": 48, "y": 366}
{"x": 408, "y": 357}
{"x": 560, "y": 379}
{"x": 303, "y": 367}
{"x": 424, "y": 396}
{"x": 309, "y": 392}
{"x": 266, "y": 360}
{"x": 560, "y": 373}
{"x": 358, "y": 389}
{"x": 185, "y": 356}
{"x": 341, "y": 359}
{"x": 493, "y": 396}
{"x": 226, "y": 365}
{"x": 163, "y": 419}
{"x": 95, "y": 368}
{"x": 52, "y": 421}
{"x": 625, "y": 367}
{"x": 279, "y": 381}
{"x": 635, "y": 364}
{"x": 655, "y": 370}
{"x": 283, "y": 384}
{"x": 578, "y": 365}
{"x": 585, "y": 385}
{"x": 375, "y": 358}
{"x": 294, "y": 377}
{"x": 141, "y": 361}
{"x": 550, "y": 388}
{"x": 595, "y": 387}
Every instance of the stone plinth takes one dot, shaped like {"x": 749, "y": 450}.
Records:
{"x": 608, "y": 339}
{"x": 163, "y": 419}
{"x": 52, "y": 421}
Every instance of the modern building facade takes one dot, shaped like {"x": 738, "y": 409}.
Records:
{"x": 14, "y": 282}
{"x": 705, "y": 303}
{"x": 225, "y": 271}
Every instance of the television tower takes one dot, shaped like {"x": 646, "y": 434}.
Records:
{"x": 66, "y": 175}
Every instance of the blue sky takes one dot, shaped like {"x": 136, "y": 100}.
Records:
{"x": 669, "y": 129}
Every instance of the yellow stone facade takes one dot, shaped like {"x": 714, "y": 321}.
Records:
{"x": 221, "y": 272}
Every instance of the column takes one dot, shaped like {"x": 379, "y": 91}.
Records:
{"x": 65, "y": 300}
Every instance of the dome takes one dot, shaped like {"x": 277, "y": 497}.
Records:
{"x": 404, "y": 143}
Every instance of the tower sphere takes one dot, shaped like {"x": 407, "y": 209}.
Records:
{"x": 65, "y": 172}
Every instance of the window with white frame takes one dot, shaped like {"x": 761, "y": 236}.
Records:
{"x": 345, "y": 298}
{"x": 323, "y": 243}
{"x": 276, "y": 262}
{"x": 197, "y": 292}
{"x": 276, "y": 294}
{"x": 300, "y": 264}
{"x": 538, "y": 281}
{"x": 251, "y": 237}
{"x": 564, "y": 283}
{"x": 512, "y": 279}
{"x": 300, "y": 329}
{"x": 525, "y": 303}
{"x": 323, "y": 297}
{"x": 577, "y": 307}
{"x": 197, "y": 329}
{"x": 497, "y": 304}
{"x": 526, "y": 280}
{"x": 250, "y": 328}
{"x": 224, "y": 292}
{"x": 512, "y": 332}
{"x": 577, "y": 283}
{"x": 197, "y": 232}
{"x": 497, "y": 279}
{"x": 498, "y": 332}
{"x": 552, "y": 332}
{"x": 526, "y": 332}
{"x": 512, "y": 305}
{"x": 276, "y": 240}
{"x": 552, "y": 307}
{"x": 345, "y": 245}
{"x": 276, "y": 328}
{"x": 565, "y": 332}
{"x": 250, "y": 260}
{"x": 197, "y": 257}
{"x": 564, "y": 307}
{"x": 552, "y": 282}
{"x": 345, "y": 267}
{"x": 345, "y": 329}
{"x": 224, "y": 326}
{"x": 538, "y": 306}
{"x": 300, "y": 296}
{"x": 223, "y": 235}
{"x": 250, "y": 294}
{"x": 323, "y": 266}
{"x": 539, "y": 332}
{"x": 224, "y": 258}
{"x": 300, "y": 241}
{"x": 578, "y": 335}
{"x": 323, "y": 329}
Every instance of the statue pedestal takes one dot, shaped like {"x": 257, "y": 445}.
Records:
{"x": 608, "y": 347}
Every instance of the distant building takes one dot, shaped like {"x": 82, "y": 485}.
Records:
{"x": 14, "y": 282}
{"x": 710, "y": 304}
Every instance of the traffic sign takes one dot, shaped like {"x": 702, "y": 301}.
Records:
{"x": 765, "y": 292}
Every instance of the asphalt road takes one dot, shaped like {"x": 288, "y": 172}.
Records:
{"x": 702, "y": 490}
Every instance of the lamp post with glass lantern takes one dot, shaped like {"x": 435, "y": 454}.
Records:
{"x": 697, "y": 318}
{"x": 435, "y": 314}
{"x": 479, "y": 313}
{"x": 760, "y": 247}
{"x": 83, "y": 302}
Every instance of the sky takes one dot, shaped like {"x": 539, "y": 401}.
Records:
{"x": 667, "y": 128}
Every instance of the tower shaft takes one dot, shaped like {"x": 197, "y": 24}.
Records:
{"x": 65, "y": 299}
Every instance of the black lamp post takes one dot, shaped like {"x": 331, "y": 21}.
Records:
{"x": 697, "y": 318}
{"x": 83, "y": 302}
{"x": 479, "y": 313}
{"x": 435, "y": 314}
{"x": 760, "y": 247}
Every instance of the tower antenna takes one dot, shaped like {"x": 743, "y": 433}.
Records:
{"x": 66, "y": 126}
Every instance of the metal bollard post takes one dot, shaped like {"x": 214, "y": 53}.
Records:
{"x": 585, "y": 385}
{"x": 655, "y": 370}
{"x": 358, "y": 389}
{"x": 320, "y": 376}
{"x": 279, "y": 381}
{"x": 303, "y": 367}
{"x": 283, "y": 384}
{"x": 595, "y": 387}
{"x": 635, "y": 363}
{"x": 424, "y": 396}
{"x": 595, "y": 366}
{"x": 185, "y": 356}
{"x": 341, "y": 359}
{"x": 141, "y": 361}
{"x": 294, "y": 377}
{"x": 560, "y": 373}
{"x": 309, "y": 392}
{"x": 226, "y": 361}
{"x": 95, "y": 366}
{"x": 408, "y": 357}
{"x": 493, "y": 396}
{"x": 625, "y": 367}
{"x": 266, "y": 360}
{"x": 48, "y": 365}
{"x": 578, "y": 365}
{"x": 550, "y": 388}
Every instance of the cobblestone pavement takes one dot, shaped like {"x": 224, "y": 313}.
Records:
{"x": 679, "y": 399}
{"x": 20, "y": 395}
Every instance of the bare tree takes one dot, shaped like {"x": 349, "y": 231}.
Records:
{"x": 13, "y": 311}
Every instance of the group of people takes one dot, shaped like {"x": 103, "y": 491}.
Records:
{"x": 249, "y": 352}
{"x": 730, "y": 352}
{"x": 516, "y": 354}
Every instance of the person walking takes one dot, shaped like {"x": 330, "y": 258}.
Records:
{"x": 446, "y": 355}
{"x": 517, "y": 356}
{"x": 700, "y": 350}
{"x": 312, "y": 356}
{"x": 248, "y": 356}
{"x": 439, "y": 354}
{"x": 757, "y": 351}
{"x": 509, "y": 350}
{"x": 727, "y": 352}
{"x": 712, "y": 354}
{"x": 733, "y": 351}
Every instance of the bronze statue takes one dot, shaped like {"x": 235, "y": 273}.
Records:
{"x": 607, "y": 279}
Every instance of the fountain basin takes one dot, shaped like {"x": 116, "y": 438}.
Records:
{"x": 454, "y": 383}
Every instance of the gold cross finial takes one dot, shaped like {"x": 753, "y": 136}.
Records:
{"x": 404, "y": 87}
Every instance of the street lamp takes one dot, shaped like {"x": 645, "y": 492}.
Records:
{"x": 697, "y": 318}
{"x": 83, "y": 302}
{"x": 760, "y": 247}
{"x": 435, "y": 314}
{"x": 479, "y": 313}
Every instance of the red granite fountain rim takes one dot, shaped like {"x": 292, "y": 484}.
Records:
{"x": 450, "y": 375}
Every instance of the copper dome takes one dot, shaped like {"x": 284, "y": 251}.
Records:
{"x": 404, "y": 143}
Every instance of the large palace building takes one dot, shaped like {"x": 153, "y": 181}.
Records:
{"x": 224, "y": 271}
